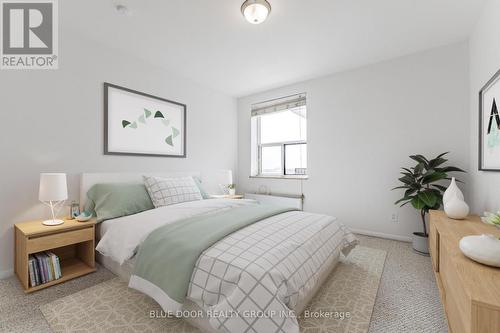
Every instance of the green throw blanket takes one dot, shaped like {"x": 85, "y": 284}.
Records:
{"x": 167, "y": 257}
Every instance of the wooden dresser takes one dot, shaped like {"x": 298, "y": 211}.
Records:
{"x": 470, "y": 291}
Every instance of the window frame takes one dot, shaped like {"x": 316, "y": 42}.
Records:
{"x": 281, "y": 144}
{"x": 302, "y": 142}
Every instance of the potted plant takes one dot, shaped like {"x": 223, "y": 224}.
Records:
{"x": 422, "y": 189}
{"x": 232, "y": 189}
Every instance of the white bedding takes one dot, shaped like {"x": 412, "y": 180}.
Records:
{"x": 271, "y": 266}
{"x": 256, "y": 277}
{"x": 120, "y": 237}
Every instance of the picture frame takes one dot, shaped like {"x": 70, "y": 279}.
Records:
{"x": 489, "y": 125}
{"x": 140, "y": 124}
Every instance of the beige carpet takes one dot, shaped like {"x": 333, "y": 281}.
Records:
{"x": 408, "y": 298}
{"x": 349, "y": 292}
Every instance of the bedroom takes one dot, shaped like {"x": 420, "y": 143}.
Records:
{"x": 316, "y": 108}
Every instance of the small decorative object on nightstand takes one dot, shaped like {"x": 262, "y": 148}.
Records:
{"x": 72, "y": 242}
{"x": 53, "y": 192}
{"x": 232, "y": 189}
{"x": 225, "y": 178}
{"x": 84, "y": 216}
{"x": 74, "y": 209}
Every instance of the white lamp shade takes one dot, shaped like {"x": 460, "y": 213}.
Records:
{"x": 225, "y": 177}
{"x": 53, "y": 187}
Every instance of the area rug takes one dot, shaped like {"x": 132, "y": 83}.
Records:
{"x": 343, "y": 304}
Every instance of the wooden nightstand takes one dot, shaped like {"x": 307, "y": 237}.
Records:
{"x": 227, "y": 196}
{"x": 72, "y": 242}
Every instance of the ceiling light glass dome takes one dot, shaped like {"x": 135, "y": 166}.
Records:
{"x": 255, "y": 11}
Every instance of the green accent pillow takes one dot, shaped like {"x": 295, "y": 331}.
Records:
{"x": 109, "y": 201}
{"x": 204, "y": 193}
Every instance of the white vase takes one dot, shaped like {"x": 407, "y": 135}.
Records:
{"x": 232, "y": 191}
{"x": 452, "y": 191}
{"x": 484, "y": 249}
{"x": 456, "y": 209}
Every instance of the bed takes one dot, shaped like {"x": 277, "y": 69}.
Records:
{"x": 256, "y": 279}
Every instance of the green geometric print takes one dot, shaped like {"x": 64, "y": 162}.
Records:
{"x": 142, "y": 119}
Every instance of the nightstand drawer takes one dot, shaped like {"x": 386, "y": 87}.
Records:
{"x": 58, "y": 240}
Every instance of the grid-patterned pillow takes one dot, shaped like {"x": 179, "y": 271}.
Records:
{"x": 169, "y": 191}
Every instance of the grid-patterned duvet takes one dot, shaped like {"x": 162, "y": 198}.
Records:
{"x": 252, "y": 279}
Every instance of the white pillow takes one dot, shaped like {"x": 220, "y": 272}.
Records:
{"x": 169, "y": 191}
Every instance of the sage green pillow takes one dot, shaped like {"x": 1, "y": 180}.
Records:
{"x": 109, "y": 201}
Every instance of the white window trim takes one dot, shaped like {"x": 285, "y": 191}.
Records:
{"x": 256, "y": 145}
{"x": 283, "y": 157}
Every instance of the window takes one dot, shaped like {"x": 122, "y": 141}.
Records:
{"x": 279, "y": 137}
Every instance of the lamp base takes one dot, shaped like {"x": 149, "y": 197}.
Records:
{"x": 52, "y": 222}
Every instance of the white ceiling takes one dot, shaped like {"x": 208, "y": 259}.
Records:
{"x": 209, "y": 41}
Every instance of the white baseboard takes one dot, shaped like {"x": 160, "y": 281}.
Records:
{"x": 381, "y": 235}
{"x": 7, "y": 273}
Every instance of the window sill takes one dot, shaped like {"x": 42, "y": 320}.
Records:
{"x": 296, "y": 177}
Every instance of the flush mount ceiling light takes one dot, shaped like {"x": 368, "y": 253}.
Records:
{"x": 255, "y": 11}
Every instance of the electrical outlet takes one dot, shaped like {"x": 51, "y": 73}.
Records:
{"x": 394, "y": 217}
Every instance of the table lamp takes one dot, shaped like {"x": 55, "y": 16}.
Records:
{"x": 53, "y": 192}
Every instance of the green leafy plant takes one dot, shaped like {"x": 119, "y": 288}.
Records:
{"x": 491, "y": 218}
{"x": 231, "y": 186}
{"x": 421, "y": 184}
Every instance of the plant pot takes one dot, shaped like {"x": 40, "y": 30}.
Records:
{"x": 232, "y": 191}
{"x": 420, "y": 243}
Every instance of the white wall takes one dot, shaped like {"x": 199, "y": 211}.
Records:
{"x": 362, "y": 125}
{"x": 53, "y": 121}
{"x": 484, "y": 62}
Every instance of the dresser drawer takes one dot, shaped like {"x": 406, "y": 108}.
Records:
{"x": 434, "y": 246}
{"x": 485, "y": 319}
{"x": 458, "y": 303}
{"x": 455, "y": 320}
{"x": 58, "y": 240}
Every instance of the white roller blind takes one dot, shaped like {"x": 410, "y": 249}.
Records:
{"x": 281, "y": 104}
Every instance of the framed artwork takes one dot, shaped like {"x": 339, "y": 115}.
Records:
{"x": 489, "y": 125}
{"x": 136, "y": 123}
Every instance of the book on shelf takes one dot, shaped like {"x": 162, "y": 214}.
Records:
{"x": 43, "y": 267}
{"x": 36, "y": 270}
{"x": 54, "y": 266}
{"x": 41, "y": 270}
{"x": 48, "y": 262}
{"x": 31, "y": 262}
{"x": 58, "y": 266}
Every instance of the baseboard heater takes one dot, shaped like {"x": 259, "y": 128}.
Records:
{"x": 295, "y": 201}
